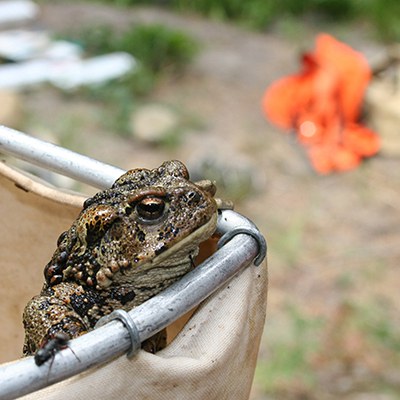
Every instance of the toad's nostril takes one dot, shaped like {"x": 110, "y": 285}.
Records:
{"x": 193, "y": 197}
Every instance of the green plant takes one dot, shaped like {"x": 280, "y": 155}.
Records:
{"x": 381, "y": 15}
{"x": 384, "y": 17}
{"x": 158, "y": 48}
{"x": 254, "y": 13}
{"x": 159, "y": 51}
{"x": 95, "y": 40}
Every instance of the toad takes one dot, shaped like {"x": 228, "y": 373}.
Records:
{"x": 128, "y": 243}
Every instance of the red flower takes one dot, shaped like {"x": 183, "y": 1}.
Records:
{"x": 322, "y": 104}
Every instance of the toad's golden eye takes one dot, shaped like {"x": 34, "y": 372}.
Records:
{"x": 150, "y": 209}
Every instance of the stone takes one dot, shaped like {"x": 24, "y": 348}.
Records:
{"x": 153, "y": 122}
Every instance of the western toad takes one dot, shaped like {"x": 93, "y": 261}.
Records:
{"x": 128, "y": 243}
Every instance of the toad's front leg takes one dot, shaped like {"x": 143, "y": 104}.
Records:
{"x": 52, "y": 312}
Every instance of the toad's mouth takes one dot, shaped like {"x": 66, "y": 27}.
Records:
{"x": 167, "y": 266}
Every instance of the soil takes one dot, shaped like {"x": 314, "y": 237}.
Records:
{"x": 333, "y": 240}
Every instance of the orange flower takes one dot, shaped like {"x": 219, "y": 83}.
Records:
{"x": 361, "y": 140}
{"x": 322, "y": 104}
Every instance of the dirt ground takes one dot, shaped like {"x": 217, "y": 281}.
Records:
{"x": 333, "y": 326}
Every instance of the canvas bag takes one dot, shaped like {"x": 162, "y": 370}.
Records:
{"x": 212, "y": 357}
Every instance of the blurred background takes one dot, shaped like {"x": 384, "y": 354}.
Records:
{"x": 185, "y": 80}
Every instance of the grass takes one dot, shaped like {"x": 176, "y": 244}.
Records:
{"x": 287, "y": 241}
{"x": 286, "y": 366}
{"x": 301, "y": 351}
{"x": 380, "y": 326}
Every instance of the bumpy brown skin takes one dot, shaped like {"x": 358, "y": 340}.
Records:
{"x": 128, "y": 243}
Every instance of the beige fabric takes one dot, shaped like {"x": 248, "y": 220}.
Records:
{"x": 29, "y": 228}
{"x": 213, "y": 357}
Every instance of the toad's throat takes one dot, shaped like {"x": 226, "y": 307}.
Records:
{"x": 147, "y": 284}
{"x": 160, "y": 273}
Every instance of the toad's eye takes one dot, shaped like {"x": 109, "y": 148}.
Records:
{"x": 150, "y": 209}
